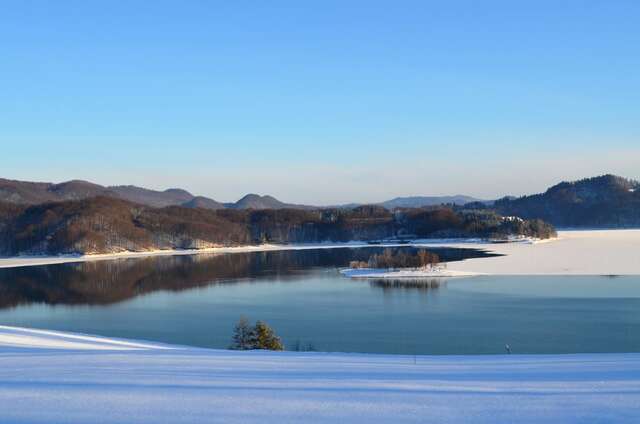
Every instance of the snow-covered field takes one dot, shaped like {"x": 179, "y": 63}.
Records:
{"x": 593, "y": 252}
{"x": 49, "y": 377}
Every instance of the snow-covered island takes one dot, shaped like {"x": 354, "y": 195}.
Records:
{"x": 393, "y": 264}
{"x": 405, "y": 273}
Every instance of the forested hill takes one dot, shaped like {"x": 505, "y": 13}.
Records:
{"x": 106, "y": 224}
{"x": 605, "y": 201}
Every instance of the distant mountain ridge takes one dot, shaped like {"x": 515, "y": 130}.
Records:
{"x": 255, "y": 201}
{"x": 603, "y": 201}
{"x": 419, "y": 202}
{"x": 30, "y": 193}
{"x": 158, "y": 199}
{"x": 422, "y": 201}
{"x": 203, "y": 202}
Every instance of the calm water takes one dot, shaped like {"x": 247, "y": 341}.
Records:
{"x": 196, "y": 300}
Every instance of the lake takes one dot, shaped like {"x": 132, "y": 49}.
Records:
{"x": 196, "y": 300}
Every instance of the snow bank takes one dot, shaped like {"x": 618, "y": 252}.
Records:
{"x": 59, "y": 381}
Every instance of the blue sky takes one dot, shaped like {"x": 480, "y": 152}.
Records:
{"x": 321, "y": 101}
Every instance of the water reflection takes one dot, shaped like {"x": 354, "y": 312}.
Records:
{"x": 107, "y": 282}
{"x": 423, "y": 285}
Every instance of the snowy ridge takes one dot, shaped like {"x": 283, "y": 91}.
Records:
{"x": 51, "y": 381}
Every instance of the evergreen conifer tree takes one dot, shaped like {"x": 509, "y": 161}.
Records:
{"x": 265, "y": 338}
{"x": 242, "y": 336}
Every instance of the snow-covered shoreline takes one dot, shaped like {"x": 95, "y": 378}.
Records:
{"x": 22, "y": 261}
{"x": 404, "y": 273}
{"x": 60, "y": 377}
{"x": 36, "y": 260}
{"x": 587, "y": 252}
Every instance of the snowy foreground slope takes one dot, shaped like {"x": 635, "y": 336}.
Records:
{"x": 50, "y": 377}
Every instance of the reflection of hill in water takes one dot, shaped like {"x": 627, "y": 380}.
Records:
{"x": 105, "y": 282}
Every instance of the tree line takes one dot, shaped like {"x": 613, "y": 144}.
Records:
{"x": 105, "y": 225}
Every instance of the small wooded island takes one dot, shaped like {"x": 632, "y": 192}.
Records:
{"x": 398, "y": 264}
{"x": 390, "y": 259}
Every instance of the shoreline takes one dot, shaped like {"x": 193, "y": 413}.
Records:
{"x": 587, "y": 252}
{"x": 39, "y": 260}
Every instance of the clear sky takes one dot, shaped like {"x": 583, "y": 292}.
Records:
{"x": 320, "y": 102}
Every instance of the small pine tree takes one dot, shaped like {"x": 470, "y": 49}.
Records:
{"x": 242, "y": 335}
{"x": 265, "y": 338}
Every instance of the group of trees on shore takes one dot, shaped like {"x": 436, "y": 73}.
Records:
{"x": 400, "y": 259}
{"x": 258, "y": 336}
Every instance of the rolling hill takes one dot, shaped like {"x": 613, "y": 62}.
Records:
{"x": 34, "y": 193}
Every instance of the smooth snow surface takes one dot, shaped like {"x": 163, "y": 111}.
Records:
{"x": 61, "y": 382}
{"x": 594, "y": 252}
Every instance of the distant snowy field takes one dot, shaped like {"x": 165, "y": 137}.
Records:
{"x": 50, "y": 377}
{"x": 584, "y": 252}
